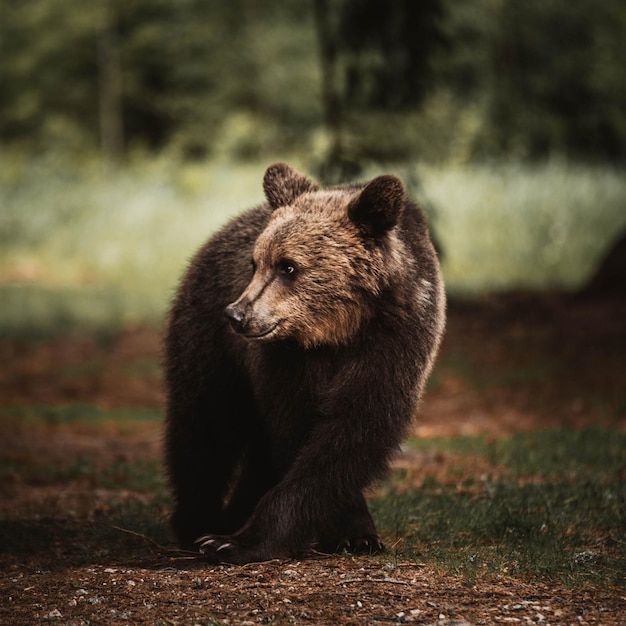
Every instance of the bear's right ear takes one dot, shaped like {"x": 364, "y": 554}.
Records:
{"x": 378, "y": 206}
{"x": 282, "y": 185}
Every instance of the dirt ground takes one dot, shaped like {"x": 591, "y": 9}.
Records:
{"x": 511, "y": 363}
{"x": 340, "y": 590}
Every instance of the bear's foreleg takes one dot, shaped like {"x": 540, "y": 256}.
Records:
{"x": 316, "y": 494}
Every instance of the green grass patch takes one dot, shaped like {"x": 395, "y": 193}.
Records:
{"x": 56, "y": 415}
{"x": 516, "y": 225}
{"x": 58, "y": 310}
{"x": 137, "y": 475}
{"x": 35, "y": 311}
{"x": 558, "y": 511}
{"x": 492, "y": 375}
{"x": 567, "y": 452}
{"x": 571, "y": 533}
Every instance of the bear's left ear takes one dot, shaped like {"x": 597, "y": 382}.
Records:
{"x": 379, "y": 206}
{"x": 282, "y": 185}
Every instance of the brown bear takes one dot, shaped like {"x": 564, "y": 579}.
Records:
{"x": 296, "y": 352}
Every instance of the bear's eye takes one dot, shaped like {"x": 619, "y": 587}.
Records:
{"x": 287, "y": 269}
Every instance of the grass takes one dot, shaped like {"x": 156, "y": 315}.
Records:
{"x": 36, "y": 310}
{"x": 545, "y": 506}
{"x": 569, "y": 533}
{"x": 137, "y": 475}
{"x": 541, "y": 226}
{"x": 87, "y": 505}
{"x": 555, "y": 509}
{"x": 551, "y": 453}
{"x": 124, "y": 532}
{"x": 85, "y": 247}
{"x": 54, "y": 416}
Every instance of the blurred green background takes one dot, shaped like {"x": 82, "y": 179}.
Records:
{"x": 129, "y": 131}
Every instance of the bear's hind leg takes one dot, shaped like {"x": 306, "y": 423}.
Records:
{"x": 254, "y": 479}
{"x": 202, "y": 452}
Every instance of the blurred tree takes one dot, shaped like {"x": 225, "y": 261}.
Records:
{"x": 558, "y": 78}
{"x": 47, "y": 59}
{"x": 376, "y": 57}
{"x": 388, "y": 49}
{"x": 334, "y": 166}
{"x": 390, "y": 80}
{"x": 153, "y": 72}
{"x": 110, "y": 85}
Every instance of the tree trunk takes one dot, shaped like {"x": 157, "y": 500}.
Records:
{"x": 110, "y": 87}
{"x": 330, "y": 99}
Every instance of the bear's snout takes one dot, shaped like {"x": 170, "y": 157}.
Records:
{"x": 235, "y": 314}
{"x": 247, "y": 321}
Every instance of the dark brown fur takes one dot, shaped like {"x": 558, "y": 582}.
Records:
{"x": 296, "y": 352}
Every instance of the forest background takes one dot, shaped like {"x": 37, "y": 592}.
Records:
{"x": 131, "y": 130}
{"x": 434, "y": 80}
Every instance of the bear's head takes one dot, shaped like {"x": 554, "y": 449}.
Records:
{"x": 322, "y": 261}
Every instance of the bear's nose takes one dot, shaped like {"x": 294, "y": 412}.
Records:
{"x": 235, "y": 315}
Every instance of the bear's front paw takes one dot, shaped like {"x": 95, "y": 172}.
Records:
{"x": 227, "y": 549}
{"x": 220, "y": 548}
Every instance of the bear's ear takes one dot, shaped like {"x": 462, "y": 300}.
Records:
{"x": 379, "y": 206}
{"x": 282, "y": 185}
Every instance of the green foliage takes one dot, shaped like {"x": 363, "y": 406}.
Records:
{"x": 46, "y": 90}
{"x": 558, "y": 72}
{"x": 86, "y": 248}
{"x": 36, "y": 311}
{"x": 183, "y": 70}
{"x": 558, "y": 511}
{"x": 439, "y": 80}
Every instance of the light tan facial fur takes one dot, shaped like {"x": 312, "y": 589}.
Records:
{"x": 336, "y": 273}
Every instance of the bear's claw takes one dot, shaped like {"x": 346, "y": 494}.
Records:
{"x": 222, "y": 549}
{"x": 368, "y": 544}
{"x": 204, "y": 539}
